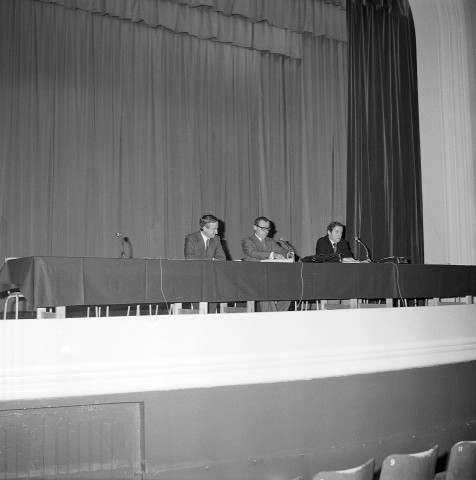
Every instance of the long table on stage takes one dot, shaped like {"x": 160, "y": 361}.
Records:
{"x": 69, "y": 281}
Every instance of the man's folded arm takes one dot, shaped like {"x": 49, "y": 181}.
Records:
{"x": 249, "y": 248}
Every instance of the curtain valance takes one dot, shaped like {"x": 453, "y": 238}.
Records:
{"x": 394, "y": 7}
{"x": 272, "y": 25}
{"x": 309, "y": 16}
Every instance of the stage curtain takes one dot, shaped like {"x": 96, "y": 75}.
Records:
{"x": 272, "y": 25}
{"x": 384, "y": 198}
{"x": 114, "y": 123}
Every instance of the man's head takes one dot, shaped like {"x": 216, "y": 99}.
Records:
{"x": 262, "y": 226}
{"x": 209, "y": 225}
{"x": 335, "y": 231}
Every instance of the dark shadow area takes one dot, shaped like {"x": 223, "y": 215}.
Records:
{"x": 222, "y": 233}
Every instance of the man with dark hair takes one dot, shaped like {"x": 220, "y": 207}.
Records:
{"x": 333, "y": 241}
{"x": 205, "y": 244}
{"x": 260, "y": 247}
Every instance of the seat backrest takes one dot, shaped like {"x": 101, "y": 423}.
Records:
{"x": 362, "y": 472}
{"x": 410, "y": 466}
{"x": 462, "y": 461}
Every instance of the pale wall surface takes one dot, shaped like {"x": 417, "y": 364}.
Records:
{"x": 66, "y": 357}
{"x": 446, "y": 79}
{"x": 470, "y": 7}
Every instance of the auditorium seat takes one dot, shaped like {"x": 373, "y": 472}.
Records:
{"x": 414, "y": 466}
{"x": 362, "y": 472}
{"x": 461, "y": 462}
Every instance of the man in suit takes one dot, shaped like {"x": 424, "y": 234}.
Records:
{"x": 333, "y": 241}
{"x": 260, "y": 247}
{"x": 204, "y": 244}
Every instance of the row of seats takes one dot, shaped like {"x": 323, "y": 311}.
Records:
{"x": 416, "y": 466}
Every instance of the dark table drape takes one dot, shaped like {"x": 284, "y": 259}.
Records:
{"x": 58, "y": 281}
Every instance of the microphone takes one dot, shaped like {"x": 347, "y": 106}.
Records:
{"x": 123, "y": 252}
{"x": 357, "y": 239}
{"x": 281, "y": 240}
{"x": 287, "y": 245}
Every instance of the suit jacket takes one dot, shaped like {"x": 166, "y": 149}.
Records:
{"x": 254, "y": 250}
{"x": 324, "y": 245}
{"x": 194, "y": 248}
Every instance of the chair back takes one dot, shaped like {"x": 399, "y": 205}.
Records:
{"x": 462, "y": 461}
{"x": 362, "y": 472}
{"x": 410, "y": 466}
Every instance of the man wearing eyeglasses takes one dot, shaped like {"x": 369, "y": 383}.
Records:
{"x": 260, "y": 247}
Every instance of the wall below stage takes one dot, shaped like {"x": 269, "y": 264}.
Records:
{"x": 242, "y": 396}
{"x": 74, "y": 357}
{"x": 282, "y": 430}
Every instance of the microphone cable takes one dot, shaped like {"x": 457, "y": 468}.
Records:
{"x": 398, "y": 284}
{"x": 302, "y": 286}
{"x": 162, "y": 286}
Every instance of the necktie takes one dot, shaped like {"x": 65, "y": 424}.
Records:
{"x": 334, "y": 246}
{"x": 206, "y": 246}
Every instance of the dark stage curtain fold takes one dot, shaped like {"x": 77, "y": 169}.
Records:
{"x": 384, "y": 198}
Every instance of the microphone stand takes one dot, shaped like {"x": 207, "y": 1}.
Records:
{"x": 367, "y": 253}
{"x": 123, "y": 251}
{"x": 289, "y": 247}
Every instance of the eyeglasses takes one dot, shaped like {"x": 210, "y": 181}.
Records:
{"x": 263, "y": 228}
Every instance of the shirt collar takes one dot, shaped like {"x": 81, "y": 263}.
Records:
{"x": 260, "y": 239}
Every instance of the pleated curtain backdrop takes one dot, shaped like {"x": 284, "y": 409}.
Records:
{"x": 138, "y": 117}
